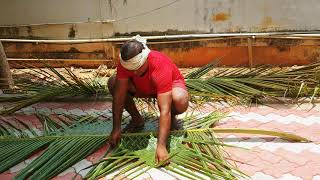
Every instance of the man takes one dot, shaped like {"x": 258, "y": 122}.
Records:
{"x": 146, "y": 73}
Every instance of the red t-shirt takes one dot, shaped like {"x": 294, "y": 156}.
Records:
{"x": 160, "y": 77}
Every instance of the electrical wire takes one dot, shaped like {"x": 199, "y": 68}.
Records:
{"x": 147, "y": 12}
{"x": 109, "y": 21}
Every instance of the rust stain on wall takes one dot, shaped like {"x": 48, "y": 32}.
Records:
{"x": 284, "y": 44}
{"x": 271, "y": 55}
{"x": 221, "y": 17}
{"x": 267, "y": 22}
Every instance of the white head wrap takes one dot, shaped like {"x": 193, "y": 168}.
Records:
{"x": 137, "y": 61}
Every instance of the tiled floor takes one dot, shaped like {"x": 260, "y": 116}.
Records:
{"x": 270, "y": 158}
{"x": 266, "y": 157}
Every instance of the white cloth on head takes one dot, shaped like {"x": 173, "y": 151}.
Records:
{"x": 137, "y": 61}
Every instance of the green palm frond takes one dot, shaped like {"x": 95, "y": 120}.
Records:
{"x": 201, "y": 71}
{"x": 9, "y": 129}
{"x": 196, "y": 121}
{"x": 64, "y": 146}
{"x": 71, "y": 140}
{"x": 193, "y": 154}
{"x": 139, "y": 150}
{"x": 14, "y": 150}
{"x": 62, "y": 153}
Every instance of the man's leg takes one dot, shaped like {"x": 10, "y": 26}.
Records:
{"x": 137, "y": 120}
{"x": 180, "y": 103}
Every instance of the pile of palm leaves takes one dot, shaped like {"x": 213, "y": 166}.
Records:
{"x": 50, "y": 84}
{"x": 255, "y": 84}
{"x": 195, "y": 152}
{"x": 230, "y": 85}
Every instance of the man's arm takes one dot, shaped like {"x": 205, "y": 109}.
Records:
{"x": 164, "y": 103}
{"x": 118, "y": 101}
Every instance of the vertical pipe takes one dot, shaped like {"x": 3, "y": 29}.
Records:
{"x": 250, "y": 56}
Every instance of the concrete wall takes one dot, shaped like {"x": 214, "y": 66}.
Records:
{"x": 60, "y": 31}
{"x": 173, "y": 16}
{"x": 17, "y": 12}
{"x": 47, "y": 19}
{"x": 217, "y": 15}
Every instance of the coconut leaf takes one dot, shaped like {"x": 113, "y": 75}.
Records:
{"x": 254, "y": 84}
{"x": 180, "y": 155}
{"x": 195, "y": 152}
{"x": 61, "y": 154}
{"x": 197, "y": 149}
{"x": 54, "y": 85}
{"x": 13, "y": 151}
{"x": 233, "y": 85}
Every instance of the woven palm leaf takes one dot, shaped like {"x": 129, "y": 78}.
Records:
{"x": 68, "y": 142}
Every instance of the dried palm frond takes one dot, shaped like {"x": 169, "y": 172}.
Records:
{"x": 235, "y": 85}
{"x": 254, "y": 84}
{"x": 56, "y": 85}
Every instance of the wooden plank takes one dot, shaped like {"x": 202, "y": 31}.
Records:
{"x": 39, "y": 63}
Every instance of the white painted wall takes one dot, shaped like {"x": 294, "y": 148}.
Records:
{"x": 17, "y": 12}
{"x": 198, "y": 15}
{"x": 183, "y": 15}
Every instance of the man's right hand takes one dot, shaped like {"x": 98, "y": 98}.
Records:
{"x": 115, "y": 137}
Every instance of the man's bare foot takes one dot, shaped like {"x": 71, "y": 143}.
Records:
{"x": 134, "y": 126}
{"x": 175, "y": 124}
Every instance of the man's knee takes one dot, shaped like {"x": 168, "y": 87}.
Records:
{"x": 180, "y": 99}
{"x": 112, "y": 83}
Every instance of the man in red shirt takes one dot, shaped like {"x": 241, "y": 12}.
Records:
{"x": 146, "y": 73}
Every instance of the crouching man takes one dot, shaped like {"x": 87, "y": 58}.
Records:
{"x": 145, "y": 73}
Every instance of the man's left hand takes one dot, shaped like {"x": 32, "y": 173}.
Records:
{"x": 115, "y": 137}
{"x": 162, "y": 155}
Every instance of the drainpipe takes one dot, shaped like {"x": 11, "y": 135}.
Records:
{"x": 290, "y": 35}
